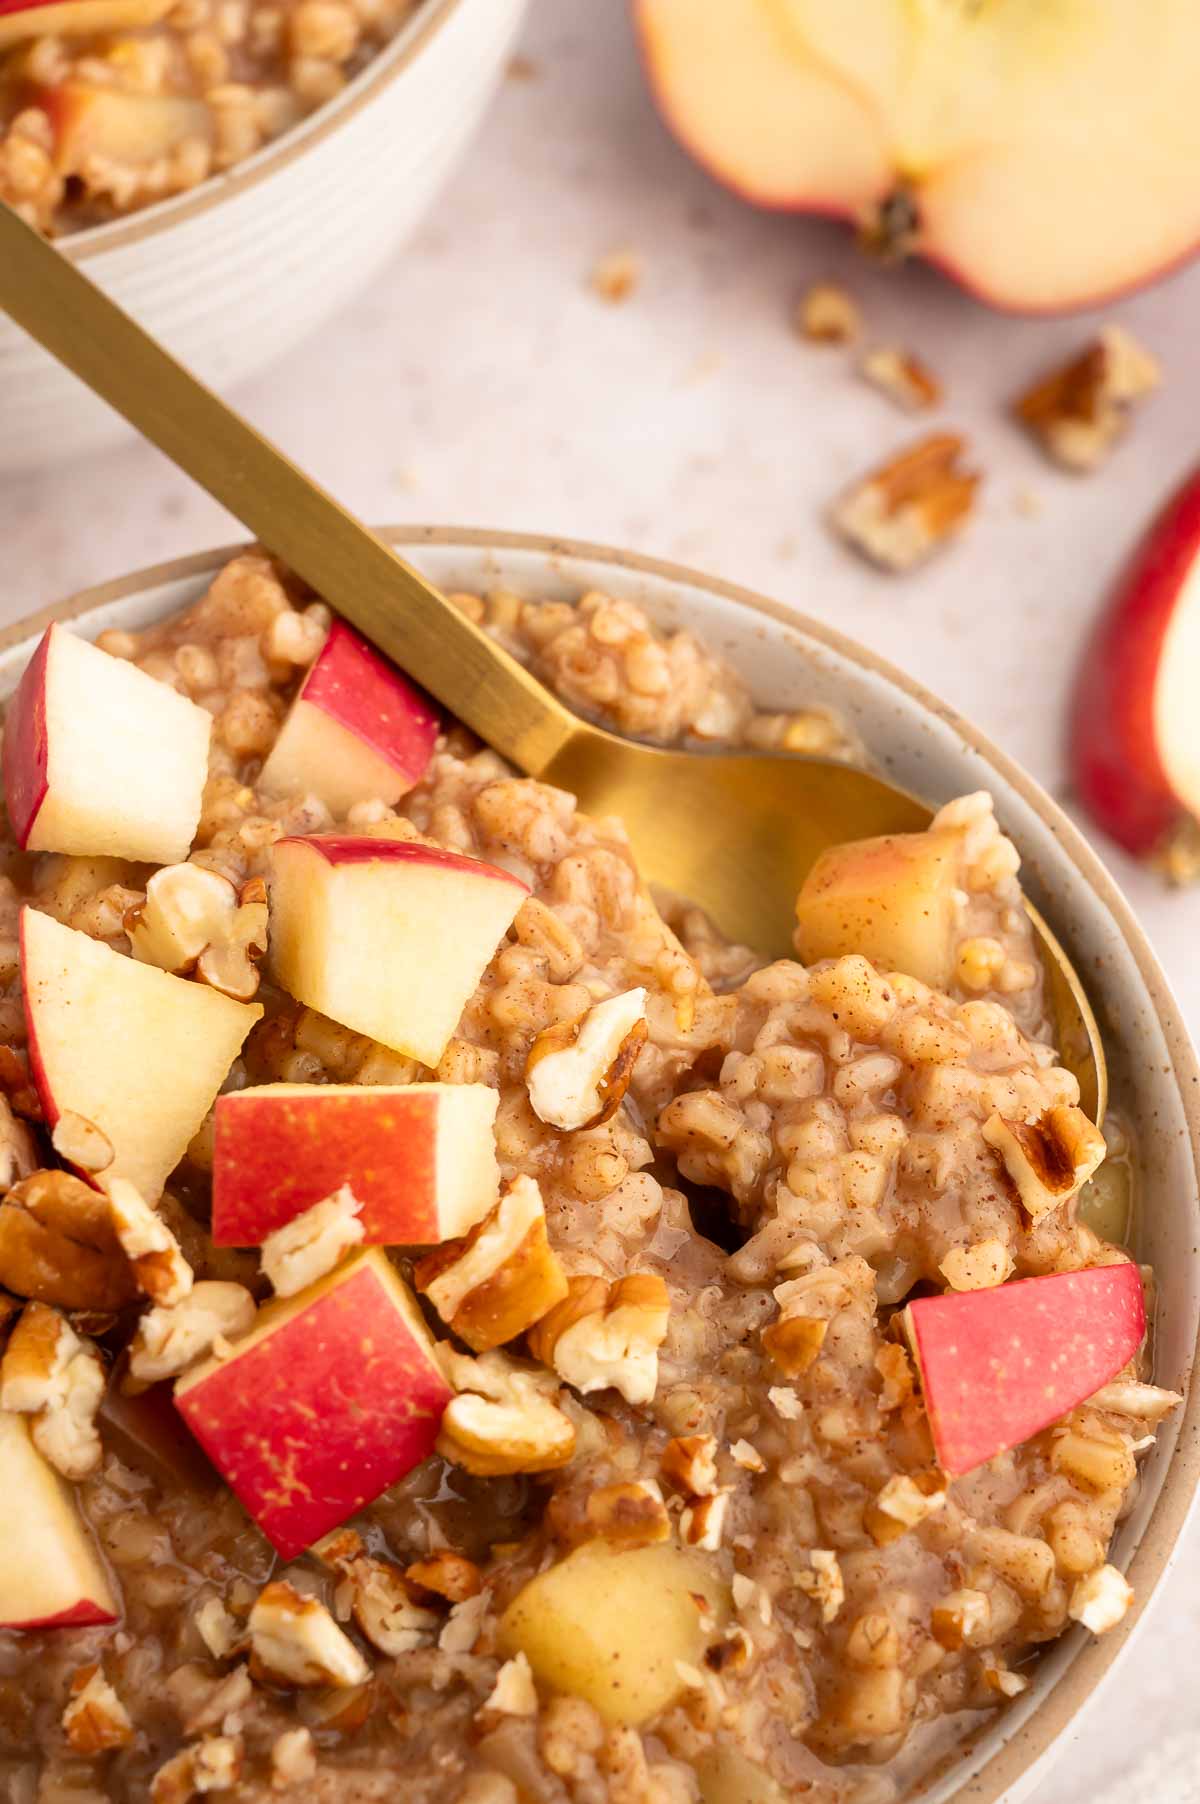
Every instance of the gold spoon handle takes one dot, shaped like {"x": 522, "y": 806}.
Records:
{"x": 346, "y": 563}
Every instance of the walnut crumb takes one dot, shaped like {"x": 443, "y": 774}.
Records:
{"x": 902, "y": 377}
{"x": 828, "y": 315}
{"x": 903, "y": 511}
{"x": 616, "y": 275}
{"x": 1079, "y": 411}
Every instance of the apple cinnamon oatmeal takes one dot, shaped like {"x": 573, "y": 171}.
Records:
{"x": 469, "y": 1327}
{"x": 109, "y": 105}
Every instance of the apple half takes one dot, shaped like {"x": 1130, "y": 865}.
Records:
{"x": 1041, "y": 154}
{"x": 136, "y": 1051}
{"x": 387, "y": 937}
{"x": 333, "y": 1396}
{"x": 1135, "y": 722}
{"x": 357, "y": 730}
{"x": 51, "y": 1575}
{"x": 101, "y": 759}
{"x": 420, "y": 1158}
{"x": 997, "y": 1366}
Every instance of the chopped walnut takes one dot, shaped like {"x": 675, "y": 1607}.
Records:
{"x": 904, "y": 1501}
{"x": 703, "y": 1522}
{"x": 194, "y": 920}
{"x": 505, "y": 1417}
{"x": 794, "y": 1342}
{"x": 168, "y": 1341}
{"x": 824, "y": 1583}
{"x": 447, "y": 1575}
{"x": 978, "y": 1267}
{"x": 220, "y": 1631}
{"x": 1100, "y": 1599}
{"x": 214, "y": 1764}
{"x": 95, "y": 1720}
{"x": 907, "y": 508}
{"x": 1129, "y": 1397}
{"x": 577, "y": 1073}
{"x": 295, "y": 1641}
{"x": 57, "y": 1244}
{"x": 81, "y": 1143}
{"x": 464, "y": 1624}
{"x": 502, "y": 1278}
{"x": 1048, "y": 1161}
{"x": 293, "y": 1759}
{"x": 48, "y": 1372}
{"x": 312, "y": 1244}
{"x": 632, "y": 1514}
{"x": 1008, "y": 1684}
{"x": 902, "y": 377}
{"x": 383, "y": 1606}
{"x": 689, "y": 1462}
{"x": 828, "y": 315}
{"x": 960, "y": 1618}
{"x": 615, "y": 276}
{"x": 747, "y": 1456}
{"x": 605, "y": 1336}
{"x": 1078, "y": 412}
{"x": 159, "y": 1268}
{"x": 514, "y": 1693}
{"x": 785, "y": 1403}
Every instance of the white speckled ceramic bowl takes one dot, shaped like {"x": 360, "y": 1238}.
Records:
{"x": 789, "y": 661}
{"x": 241, "y": 269}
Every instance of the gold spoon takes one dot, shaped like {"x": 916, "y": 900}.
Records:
{"x": 736, "y": 831}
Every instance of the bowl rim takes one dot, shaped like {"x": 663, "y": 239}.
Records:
{"x": 1052, "y": 1713}
{"x": 389, "y": 62}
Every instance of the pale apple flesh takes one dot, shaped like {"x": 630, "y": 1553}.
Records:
{"x": 997, "y": 1366}
{"x": 1045, "y": 153}
{"x": 1135, "y": 724}
{"x": 420, "y": 1158}
{"x": 387, "y": 937}
{"x": 333, "y": 1396}
{"x": 892, "y": 899}
{"x": 138, "y": 1052}
{"x": 358, "y": 730}
{"x": 20, "y": 19}
{"x": 100, "y": 759}
{"x": 133, "y": 129}
{"x": 51, "y": 1574}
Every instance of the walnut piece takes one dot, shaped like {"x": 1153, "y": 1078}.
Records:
{"x": 1129, "y": 1397}
{"x": 505, "y": 1417}
{"x": 703, "y": 1522}
{"x": 219, "y": 1629}
{"x": 169, "y": 1340}
{"x": 57, "y": 1244}
{"x": 48, "y": 1372}
{"x": 295, "y": 1641}
{"x": 630, "y": 1514}
{"x": 383, "y": 1606}
{"x": 978, "y": 1267}
{"x": 793, "y": 1343}
{"x": 1078, "y": 412}
{"x": 615, "y": 276}
{"x": 211, "y": 1765}
{"x": 604, "y": 1336}
{"x": 502, "y": 1278}
{"x": 906, "y": 509}
{"x": 312, "y": 1244}
{"x": 1049, "y": 1160}
{"x": 824, "y": 1583}
{"x": 902, "y": 377}
{"x": 95, "y": 1720}
{"x": 514, "y": 1693}
{"x": 689, "y": 1462}
{"x": 906, "y": 1500}
{"x": 194, "y": 920}
{"x": 445, "y": 1574}
{"x": 160, "y": 1270}
{"x": 81, "y": 1143}
{"x": 828, "y": 315}
{"x": 960, "y": 1618}
{"x": 1100, "y": 1599}
{"x": 577, "y": 1073}
{"x": 293, "y": 1759}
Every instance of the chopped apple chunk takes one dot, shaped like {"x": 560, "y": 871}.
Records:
{"x": 51, "y": 1575}
{"x": 892, "y": 899}
{"x": 130, "y": 129}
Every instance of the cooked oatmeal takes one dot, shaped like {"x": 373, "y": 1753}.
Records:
{"x": 690, "y": 1530}
{"x": 108, "y": 105}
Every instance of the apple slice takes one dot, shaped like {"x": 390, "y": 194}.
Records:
{"x": 1135, "y": 726}
{"x": 357, "y": 730}
{"x": 99, "y": 758}
{"x": 333, "y": 1396}
{"x": 51, "y": 1575}
{"x": 387, "y": 937}
{"x": 137, "y": 1052}
{"x": 420, "y": 1158}
{"x": 999, "y": 1365}
{"x": 891, "y": 899}
{"x": 1043, "y": 155}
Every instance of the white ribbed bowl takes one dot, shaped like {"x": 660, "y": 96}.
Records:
{"x": 234, "y": 274}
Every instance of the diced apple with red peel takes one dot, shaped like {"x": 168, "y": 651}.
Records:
{"x": 1135, "y": 725}
{"x": 420, "y": 1158}
{"x": 51, "y": 1575}
{"x": 387, "y": 937}
{"x": 358, "y": 730}
{"x": 99, "y": 758}
{"x": 997, "y": 1366}
{"x": 1040, "y": 155}
{"x": 892, "y": 899}
{"x": 333, "y": 1396}
{"x": 133, "y": 1050}
{"x": 131, "y": 129}
{"x": 21, "y": 19}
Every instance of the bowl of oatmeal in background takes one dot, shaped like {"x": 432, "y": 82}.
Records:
{"x": 800, "y": 684}
{"x": 298, "y": 158}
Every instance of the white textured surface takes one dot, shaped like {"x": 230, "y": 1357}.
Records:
{"x": 481, "y": 381}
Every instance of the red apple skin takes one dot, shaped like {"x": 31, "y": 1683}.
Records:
{"x": 26, "y": 752}
{"x": 1116, "y": 768}
{"x": 22, "y": 6}
{"x": 997, "y": 1366}
{"x": 349, "y": 848}
{"x": 317, "y": 1419}
{"x": 351, "y": 683}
